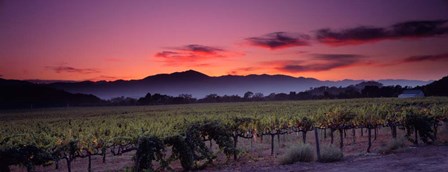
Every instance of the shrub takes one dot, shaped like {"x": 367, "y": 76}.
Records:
{"x": 330, "y": 154}
{"x": 300, "y": 152}
{"x": 392, "y": 146}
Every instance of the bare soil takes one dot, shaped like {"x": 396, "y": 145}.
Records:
{"x": 427, "y": 158}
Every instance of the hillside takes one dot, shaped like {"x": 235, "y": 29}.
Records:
{"x": 22, "y": 94}
{"x": 437, "y": 88}
{"x": 199, "y": 85}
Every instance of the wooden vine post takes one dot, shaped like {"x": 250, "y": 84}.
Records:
{"x": 341, "y": 143}
{"x": 316, "y": 136}
{"x": 354, "y": 135}
{"x": 393, "y": 129}
{"x": 235, "y": 143}
{"x": 370, "y": 138}
{"x": 272, "y": 144}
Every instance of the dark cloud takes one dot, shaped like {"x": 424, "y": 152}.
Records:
{"x": 317, "y": 63}
{"x": 351, "y": 36}
{"x": 68, "y": 69}
{"x": 193, "y": 55}
{"x": 279, "y": 40}
{"x": 321, "y": 62}
{"x": 191, "y": 51}
{"x": 436, "y": 57}
{"x": 419, "y": 29}
{"x": 338, "y": 57}
{"x": 365, "y": 34}
{"x": 201, "y": 49}
{"x": 167, "y": 54}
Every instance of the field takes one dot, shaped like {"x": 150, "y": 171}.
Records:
{"x": 208, "y": 136}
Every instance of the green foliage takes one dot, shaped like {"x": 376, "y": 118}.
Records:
{"x": 370, "y": 115}
{"x": 420, "y": 120}
{"x": 300, "y": 152}
{"x": 330, "y": 154}
{"x": 148, "y": 149}
{"x": 181, "y": 150}
{"x": 28, "y": 156}
{"x": 191, "y": 149}
{"x": 304, "y": 124}
{"x": 69, "y": 133}
{"x": 335, "y": 117}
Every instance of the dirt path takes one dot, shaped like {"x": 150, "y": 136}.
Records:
{"x": 427, "y": 158}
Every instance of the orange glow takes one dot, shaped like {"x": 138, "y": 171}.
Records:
{"x": 91, "y": 40}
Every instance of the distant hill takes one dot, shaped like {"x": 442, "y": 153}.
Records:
{"x": 199, "y": 85}
{"x": 437, "y": 88}
{"x": 23, "y": 94}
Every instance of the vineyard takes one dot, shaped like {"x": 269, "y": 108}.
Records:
{"x": 159, "y": 136}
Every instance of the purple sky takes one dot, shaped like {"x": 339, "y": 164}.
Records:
{"x": 109, "y": 40}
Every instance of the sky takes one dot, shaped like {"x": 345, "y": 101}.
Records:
{"x": 324, "y": 39}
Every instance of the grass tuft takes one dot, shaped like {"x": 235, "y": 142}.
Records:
{"x": 300, "y": 152}
{"x": 331, "y": 154}
{"x": 392, "y": 146}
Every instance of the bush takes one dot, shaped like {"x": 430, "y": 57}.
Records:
{"x": 300, "y": 152}
{"x": 330, "y": 154}
{"x": 392, "y": 146}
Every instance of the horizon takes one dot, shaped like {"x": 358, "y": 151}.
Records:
{"x": 325, "y": 40}
{"x": 56, "y": 80}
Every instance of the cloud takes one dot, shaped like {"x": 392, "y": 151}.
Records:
{"x": 106, "y": 78}
{"x": 201, "y": 49}
{"x": 321, "y": 62}
{"x": 279, "y": 40}
{"x": 412, "y": 59}
{"x": 436, "y": 57}
{"x": 419, "y": 29}
{"x": 191, "y": 52}
{"x": 351, "y": 36}
{"x": 193, "y": 55}
{"x": 316, "y": 63}
{"x": 169, "y": 54}
{"x": 68, "y": 69}
{"x": 203, "y": 65}
{"x": 367, "y": 34}
{"x": 243, "y": 70}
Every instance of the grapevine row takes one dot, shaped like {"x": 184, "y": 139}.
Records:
{"x": 50, "y": 142}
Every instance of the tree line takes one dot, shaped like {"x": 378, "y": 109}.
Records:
{"x": 362, "y": 90}
{"x": 22, "y": 94}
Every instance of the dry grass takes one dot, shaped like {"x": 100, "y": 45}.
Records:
{"x": 392, "y": 146}
{"x": 300, "y": 152}
{"x": 330, "y": 154}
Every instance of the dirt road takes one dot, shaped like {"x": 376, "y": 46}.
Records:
{"x": 427, "y": 158}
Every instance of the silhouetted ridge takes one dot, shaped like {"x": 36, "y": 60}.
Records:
{"x": 200, "y": 85}
{"x": 188, "y": 75}
{"x": 22, "y": 94}
{"x": 437, "y": 88}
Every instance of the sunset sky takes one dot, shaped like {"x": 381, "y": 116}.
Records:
{"x": 327, "y": 40}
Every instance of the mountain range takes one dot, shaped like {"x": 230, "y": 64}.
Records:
{"x": 199, "y": 85}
